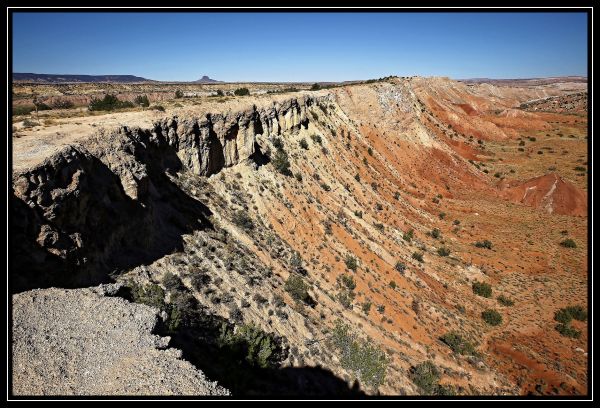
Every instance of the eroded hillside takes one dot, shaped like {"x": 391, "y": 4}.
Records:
{"x": 331, "y": 242}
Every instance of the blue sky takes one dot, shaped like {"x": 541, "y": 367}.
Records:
{"x": 301, "y": 46}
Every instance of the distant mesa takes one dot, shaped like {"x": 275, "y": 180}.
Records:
{"x": 206, "y": 80}
{"x": 60, "y": 78}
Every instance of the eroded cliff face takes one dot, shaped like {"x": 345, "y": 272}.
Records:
{"x": 109, "y": 203}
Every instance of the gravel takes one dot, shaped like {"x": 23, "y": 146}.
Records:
{"x": 84, "y": 342}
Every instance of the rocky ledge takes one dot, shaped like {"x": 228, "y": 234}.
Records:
{"x": 86, "y": 342}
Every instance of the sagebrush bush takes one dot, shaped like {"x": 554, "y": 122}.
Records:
{"x": 491, "y": 317}
{"x": 482, "y": 289}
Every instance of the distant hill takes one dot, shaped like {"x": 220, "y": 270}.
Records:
{"x": 206, "y": 80}
{"x": 524, "y": 81}
{"x": 59, "y": 78}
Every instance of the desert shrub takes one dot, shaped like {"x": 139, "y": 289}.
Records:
{"x": 243, "y": 220}
{"x": 442, "y": 215}
{"x": 491, "y": 317}
{"x": 366, "y": 307}
{"x": 357, "y": 177}
{"x": 351, "y": 262}
{"x": 241, "y": 92}
{"x": 435, "y": 233}
{"x": 370, "y": 151}
{"x": 345, "y": 298}
{"x": 151, "y": 295}
{"x": 457, "y": 344}
{"x": 159, "y": 108}
{"x": 381, "y": 309}
{"x": 22, "y": 109}
{"x": 303, "y": 144}
{"x": 408, "y": 235}
{"x": 443, "y": 251}
{"x": 281, "y": 163}
{"x": 297, "y": 289}
{"x": 325, "y": 186}
{"x": 400, "y": 267}
{"x": 456, "y": 222}
{"x": 298, "y": 176}
{"x": 367, "y": 361}
{"x": 62, "y": 104}
{"x": 219, "y": 93}
{"x": 28, "y": 123}
{"x": 568, "y": 243}
{"x": 278, "y": 143}
{"x": 532, "y": 139}
{"x": 178, "y": 93}
{"x": 172, "y": 282}
{"x": 348, "y": 281}
{"x": 504, "y": 301}
{"x": 484, "y": 244}
{"x": 250, "y": 343}
{"x": 567, "y": 331}
{"x": 566, "y": 314}
{"x": 108, "y": 103}
{"x": 393, "y": 285}
{"x": 316, "y": 138}
{"x": 142, "y": 100}
{"x": 296, "y": 262}
{"x": 426, "y": 376}
{"x": 315, "y": 87}
{"x": 482, "y": 289}
{"x": 418, "y": 256}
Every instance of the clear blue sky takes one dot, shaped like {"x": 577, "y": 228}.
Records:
{"x": 301, "y": 47}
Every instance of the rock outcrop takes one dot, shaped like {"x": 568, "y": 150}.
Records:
{"x": 83, "y": 342}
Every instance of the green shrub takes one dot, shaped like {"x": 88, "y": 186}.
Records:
{"x": 243, "y": 220}
{"x": 316, "y": 138}
{"x": 567, "y": 331}
{"x": 392, "y": 284}
{"x": 303, "y": 144}
{"x": 418, "y": 256}
{"x": 482, "y": 289}
{"x": 442, "y": 215}
{"x": 297, "y": 289}
{"x": 366, "y": 307}
{"x": 151, "y": 295}
{"x": 426, "y": 376}
{"x": 108, "y": 103}
{"x": 457, "y": 344}
{"x": 351, "y": 263}
{"x": 22, "y": 110}
{"x": 241, "y": 92}
{"x": 408, "y": 235}
{"x": 491, "y": 317}
{"x": 443, "y": 251}
{"x": 281, "y": 163}
{"x": 159, "y": 108}
{"x": 178, "y": 94}
{"x": 325, "y": 186}
{"x": 62, "y": 104}
{"x": 348, "y": 281}
{"x": 484, "y": 244}
{"x": 504, "y": 301}
{"x": 400, "y": 267}
{"x": 28, "y": 123}
{"x": 370, "y": 151}
{"x": 435, "y": 233}
{"x": 142, "y": 100}
{"x": 367, "y": 361}
{"x": 172, "y": 282}
{"x": 255, "y": 346}
{"x": 568, "y": 243}
{"x": 566, "y": 314}
{"x": 315, "y": 87}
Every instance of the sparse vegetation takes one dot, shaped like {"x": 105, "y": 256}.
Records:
{"x": 482, "y": 289}
{"x": 108, "y": 103}
{"x": 243, "y": 220}
{"x": 491, "y": 317}
{"x": 351, "y": 262}
{"x": 418, "y": 256}
{"x": 400, "y": 267}
{"x": 457, "y": 344}
{"x": 504, "y": 301}
{"x": 303, "y": 144}
{"x": 367, "y": 361}
{"x": 408, "y": 235}
{"x": 241, "y": 92}
{"x": 297, "y": 289}
{"x": 426, "y": 376}
{"x": 435, "y": 233}
{"x": 484, "y": 244}
{"x": 568, "y": 243}
{"x": 443, "y": 251}
{"x": 142, "y": 100}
